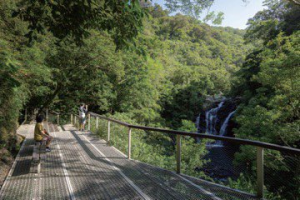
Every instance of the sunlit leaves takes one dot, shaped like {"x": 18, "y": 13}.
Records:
{"x": 64, "y": 18}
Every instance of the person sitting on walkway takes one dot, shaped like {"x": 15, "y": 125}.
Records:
{"x": 41, "y": 134}
{"x": 82, "y": 113}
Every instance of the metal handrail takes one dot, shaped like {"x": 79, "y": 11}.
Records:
{"x": 54, "y": 112}
{"x": 260, "y": 146}
{"x": 110, "y": 119}
{"x": 206, "y": 136}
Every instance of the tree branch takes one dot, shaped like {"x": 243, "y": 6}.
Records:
{"x": 297, "y": 2}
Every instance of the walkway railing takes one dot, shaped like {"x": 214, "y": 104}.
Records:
{"x": 288, "y": 157}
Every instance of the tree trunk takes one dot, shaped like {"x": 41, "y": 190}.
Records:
{"x": 50, "y": 99}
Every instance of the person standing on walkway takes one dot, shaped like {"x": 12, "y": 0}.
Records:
{"x": 41, "y": 134}
{"x": 83, "y": 109}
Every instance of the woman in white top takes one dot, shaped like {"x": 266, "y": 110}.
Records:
{"x": 82, "y": 113}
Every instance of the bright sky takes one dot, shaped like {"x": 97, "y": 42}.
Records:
{"x": 236, "y": 12}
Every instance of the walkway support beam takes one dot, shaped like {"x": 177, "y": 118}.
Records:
{"x": 178, "y": 153}
{"x": 260, "y": 172}
{"x": 129, "y": 143}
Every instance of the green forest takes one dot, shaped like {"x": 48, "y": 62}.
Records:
{"x": 135, "y": 62}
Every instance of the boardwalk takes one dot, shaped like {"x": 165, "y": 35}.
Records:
{"x": 81, "y": 166}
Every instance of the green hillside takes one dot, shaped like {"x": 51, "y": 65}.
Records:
{"x": 174, "y": 57}
{"x": 141, "y": 65}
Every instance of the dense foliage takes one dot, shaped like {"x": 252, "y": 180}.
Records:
{"x": 182, "y": 57}
{"x": 175, "y": 57}
{"x": 269, "y": 85}
{"x": 170, "y": 65}
{"x": 72, "y": 20}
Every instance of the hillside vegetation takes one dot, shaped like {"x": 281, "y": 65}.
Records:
{"x": 157, "y": 71}
{"x": 176, "y": 62}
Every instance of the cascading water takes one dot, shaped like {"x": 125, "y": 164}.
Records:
{"x": 213, "y": 124}
{"x": 211, "y": 118}
{"x": 198, "y": 122}
{"x": 223, "y": 129}
{"x": 217, "y": 121}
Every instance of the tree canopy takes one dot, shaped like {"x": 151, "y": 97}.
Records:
{"x": 58, "y": 53}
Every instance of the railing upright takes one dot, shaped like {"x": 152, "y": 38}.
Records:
{"x": 47, "y": 115}
{"x": 129, "y": 143}
{"x": 71, "y": 118}
{"x": 97, "y": 123}
{"x": 57, "y": 119}
{"x": 25, "y": 115}
{"x": 108, "y": 131}
{"x": 260, "y": 172}
{"x": 178, "y": 153}
{"x": 89, "y": 118}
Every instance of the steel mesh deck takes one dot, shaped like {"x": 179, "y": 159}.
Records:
{"x": 81, "y": 166}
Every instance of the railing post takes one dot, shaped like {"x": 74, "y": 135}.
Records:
{"x": 75, "y": 120}
{"x": 57, "y": 119}
{"x": 178, "y": 153}
{"x": 25, "y": 115}
{"x": 260, "y": 172}
{"x": 108, "y": 131}
{"x": 97, "y": 123}
{"x": 47, "y": 115}
{"x": 89, "y": 127}
{"x": 129, "y": 143}
{"x": 71, "y": 118}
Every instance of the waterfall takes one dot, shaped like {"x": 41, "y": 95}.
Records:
{"x": 212, "y": 121}
{"x": 211, "y": 118}
{"x": 223, "y": 129}
{"x": 198, "y": 123}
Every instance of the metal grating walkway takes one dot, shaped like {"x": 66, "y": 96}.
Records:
{"x": 81, "y": 166}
